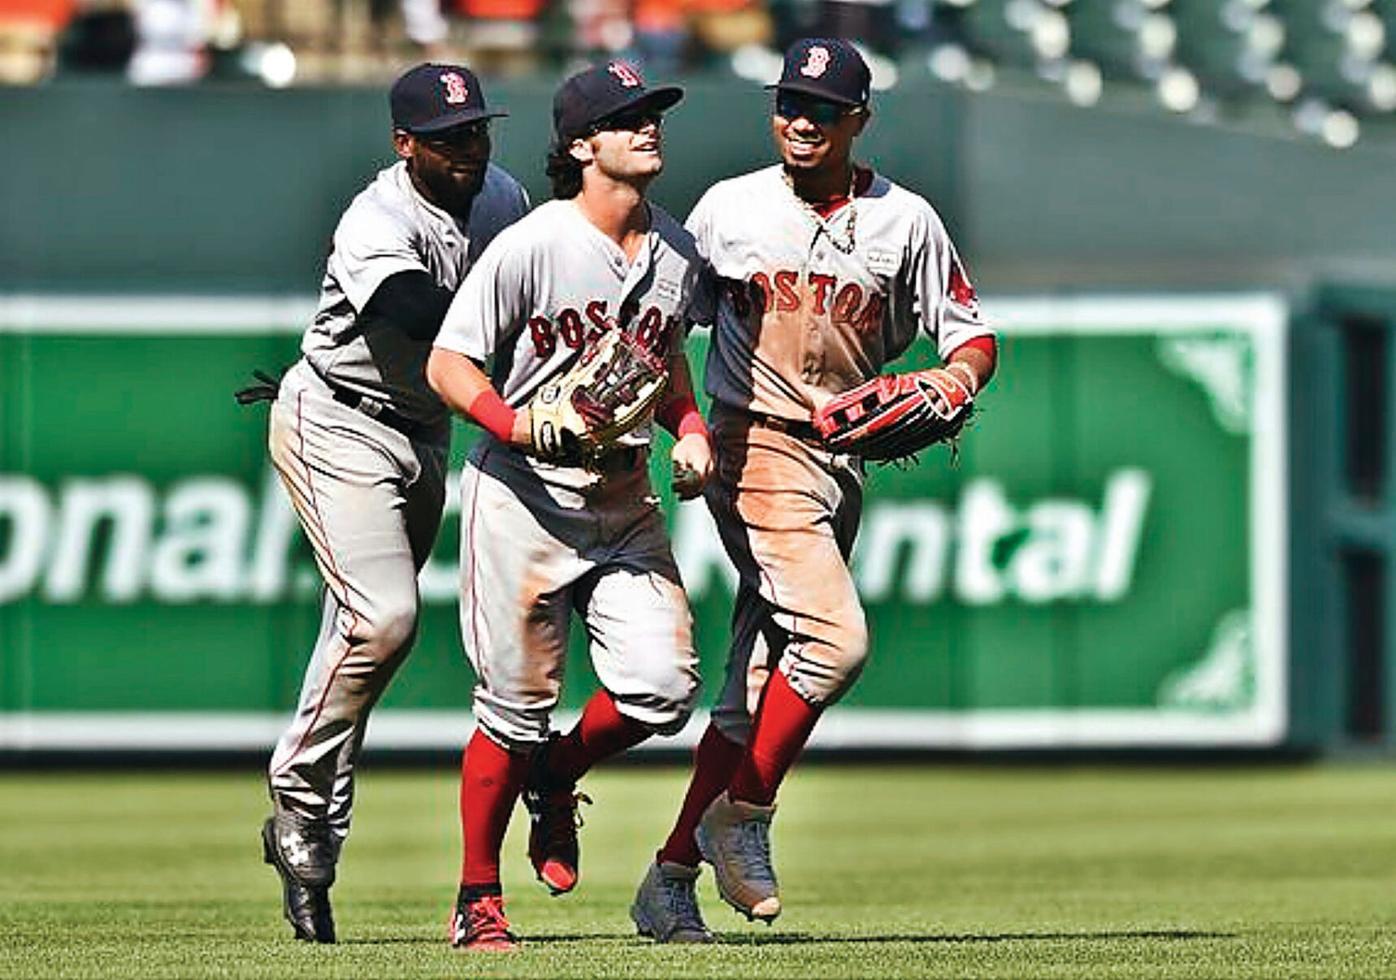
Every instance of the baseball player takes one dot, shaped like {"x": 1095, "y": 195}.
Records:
{"x": 828, "y": 270}
{"x": 543, "y": 537}
{"x": 360, "y": 442}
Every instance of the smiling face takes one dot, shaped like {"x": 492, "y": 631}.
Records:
{"x": 815, "y": 135}
{"x": 448, "y": 167}
{"x": 627, "y": 147}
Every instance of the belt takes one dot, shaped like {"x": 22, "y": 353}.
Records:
{"x": 622, "y": 459}
{"x": 376, "y": 410}
{"x": 794, "y": 428}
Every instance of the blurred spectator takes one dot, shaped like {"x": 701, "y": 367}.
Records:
{"x": 98, "y": 39}
{"x": 171, "y": 41}
{"x": 426, "y": 27}
{"x": 871, "y": 23}
{"x": 600, "y": 28}
{"x": 303, "y": 24}
{"x": 724, "y": 26}
{"x": 666, "y": 36}
{"x": 29, "y": 32}
{"x": 280, "y": 42}
{"x": 500, "y": 37}
{"x": 661, "y": 36}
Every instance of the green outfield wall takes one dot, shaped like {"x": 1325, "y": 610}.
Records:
{"x": 236, "y": 189}
{"x": 1105, "y": 564}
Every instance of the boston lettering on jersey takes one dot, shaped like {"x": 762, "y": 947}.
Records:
{"x": 846, "y": 303}
{"x": 573, "y": 327}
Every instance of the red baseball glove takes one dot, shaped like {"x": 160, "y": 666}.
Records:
{"x": 895, "y": 416}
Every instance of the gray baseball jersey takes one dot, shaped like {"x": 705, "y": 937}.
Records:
{"x": 368, "y": 494}
{"x": 539, "y": 540}
{"x": 811, "y": 307}
{"x": 390, "y": 228}
{"x": 552, "y": 278}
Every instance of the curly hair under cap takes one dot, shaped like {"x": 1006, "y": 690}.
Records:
{"x": 565, "y": 172}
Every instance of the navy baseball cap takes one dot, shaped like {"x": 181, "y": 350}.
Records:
{"x": 430, "y": 98}
{"x": 602, "y": 91}
{"x": 826, "y": 68}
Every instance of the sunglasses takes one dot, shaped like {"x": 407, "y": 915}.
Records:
{"x": 456, "y": 136}
{"x": 632, "y": 122}
{"x": 821, "y": 112}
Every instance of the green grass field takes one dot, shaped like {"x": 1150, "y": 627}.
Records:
{"x": 886, "y": 871}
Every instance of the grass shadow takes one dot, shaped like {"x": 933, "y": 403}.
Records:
{"x": 790, "y": 938}
{"x": 529, "y": 939}
{"x": 807, "y": 938}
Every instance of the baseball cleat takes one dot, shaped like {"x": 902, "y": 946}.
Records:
{"x": 666, "y": 905}
{"x": 552, "y": 837}
{"x": 480, "y": 924}
{"x": 303, "y": 856}
{"x": 735, "y": 838}
{"x": 553, "y": 821}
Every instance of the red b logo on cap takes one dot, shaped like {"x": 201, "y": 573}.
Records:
{"x": 625, "y": 73}
{"x": 456, "y": 90}
{"x": 816, "y": 62}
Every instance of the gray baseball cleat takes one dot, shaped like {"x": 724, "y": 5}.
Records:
{"x": 666, "y": 905}
{"x": 735, "y": 838}
{"x": 303, "y": 854}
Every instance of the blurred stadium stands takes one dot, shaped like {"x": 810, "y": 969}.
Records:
{"x": 1324, "y": 67}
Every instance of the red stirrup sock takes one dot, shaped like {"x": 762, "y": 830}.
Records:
{"x": 714, "y": 761}
{"x": 600, "y": 733}
{"x": 782, "y": 726}
{"x": 490, "y": 779}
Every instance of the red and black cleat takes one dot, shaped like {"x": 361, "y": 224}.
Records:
{"x": 554, "y": 818}
{"x": 479, "y": 924}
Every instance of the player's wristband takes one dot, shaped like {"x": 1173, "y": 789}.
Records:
{"x": 692, "y": 422}
{"x": 494, "y": 415}
{"x": 681, "y": 417}
{"x": 965, "y": 375}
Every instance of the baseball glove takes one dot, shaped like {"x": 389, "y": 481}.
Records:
{"x": 609, "y": 391}
{"x": 895, "y": 416}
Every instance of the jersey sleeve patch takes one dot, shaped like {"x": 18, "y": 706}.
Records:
{"x": 961, "y": 289}
{"x": 884, "y": 261}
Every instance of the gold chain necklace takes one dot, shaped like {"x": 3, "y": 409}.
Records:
{"x": 849, "y": 243}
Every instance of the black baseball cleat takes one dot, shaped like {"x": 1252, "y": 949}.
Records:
{"x": 553, "y": 848}
{"x": 304, "y": 856}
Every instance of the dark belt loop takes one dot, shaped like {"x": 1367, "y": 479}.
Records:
{"x": 384, "y": 414}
